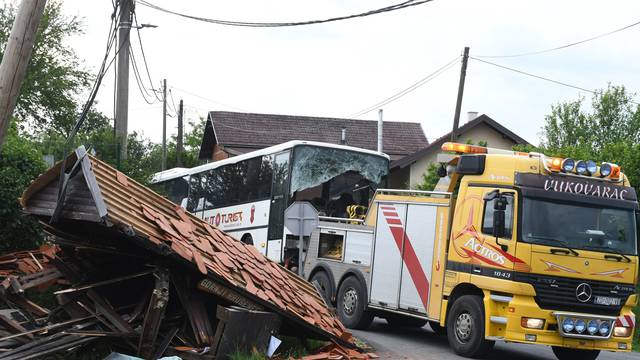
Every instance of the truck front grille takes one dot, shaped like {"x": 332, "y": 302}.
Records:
{"x": 559, "y": 293}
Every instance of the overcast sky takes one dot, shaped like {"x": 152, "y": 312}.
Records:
{"x": 338, "y": 69}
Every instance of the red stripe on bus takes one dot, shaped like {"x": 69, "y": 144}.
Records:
{"x": 410, "y": 259}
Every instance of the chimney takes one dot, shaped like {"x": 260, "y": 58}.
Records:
{"x": 343, "y": 139}
{"x": 471, "y": 115}
{"x": 380, "y": 130}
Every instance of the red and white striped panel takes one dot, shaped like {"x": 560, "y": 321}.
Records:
{"x": 626, "y": 321}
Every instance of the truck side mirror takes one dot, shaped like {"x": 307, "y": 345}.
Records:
{"x": 499, "y": 210}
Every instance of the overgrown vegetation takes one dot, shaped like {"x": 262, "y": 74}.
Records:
{"x": 290, "y": 347}
{"x": 53, "y": 92}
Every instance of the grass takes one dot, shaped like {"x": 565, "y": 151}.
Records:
{"x": 290, "y": 347}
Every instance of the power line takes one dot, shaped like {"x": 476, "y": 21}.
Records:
{"x": 533, "y": 75}
{"x": 139, "y": 82}
{"x": 398, "y": 6}
{"x": 173, "y": 102}
{"x": 562, "y": 46}
{"x": 144, "y": 57}
{"x": 409, "y": 89}
{"x": 209, "y": 100}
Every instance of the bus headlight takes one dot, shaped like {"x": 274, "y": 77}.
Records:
{"x": 567, "y": 325}
{"x": 621, "y": 331}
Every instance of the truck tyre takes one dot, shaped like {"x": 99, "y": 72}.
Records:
{"x": 465, "y": 327}
{"x": 351, "y": 304}
{"x": 325, "y": 285}
{"x": 571, "y": 354}
{"x": 437, "y": 328}
{"x": 400, "y": 321}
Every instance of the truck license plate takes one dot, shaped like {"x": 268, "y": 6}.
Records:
{"x": 605, "y": 300}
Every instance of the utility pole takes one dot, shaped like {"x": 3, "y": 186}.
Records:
{"x": 16, "y": 58}
{"x": 122, "y": 78}
{"x": 180, "y": 134}
{"x": 164, "y": 124}
{"x": 463, "y": 74}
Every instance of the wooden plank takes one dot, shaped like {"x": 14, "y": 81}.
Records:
{"x": 154, "y": 314}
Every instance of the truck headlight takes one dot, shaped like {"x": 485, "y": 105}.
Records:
{"x": 580, "y": 326}
{"x": 592, "y": 327}
{"x": 567, "y": 325}
{"x": 604, "y": 328}
{"x": 621, "y": 331}
{"x": 532, "y": 323}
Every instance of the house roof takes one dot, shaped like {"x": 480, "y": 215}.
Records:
{"x": 235, "y": 131}
{"x": 482, "y": 119}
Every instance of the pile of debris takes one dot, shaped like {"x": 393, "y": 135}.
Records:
{"x": 132, "y": 269}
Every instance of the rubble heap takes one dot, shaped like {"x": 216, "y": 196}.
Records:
{"x": 132, "y": 268}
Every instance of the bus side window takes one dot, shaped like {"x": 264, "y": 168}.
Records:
{"x": 194, "y": 203}
{"x": 487, "y": 218}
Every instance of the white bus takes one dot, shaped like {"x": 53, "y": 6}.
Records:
{"x": 246, "y": 195}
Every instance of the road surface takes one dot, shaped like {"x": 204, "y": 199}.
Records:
{"x": 422, "y": 344}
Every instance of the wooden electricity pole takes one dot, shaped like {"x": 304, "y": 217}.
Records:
{"x": 164, "y": 124}
{"x": 463, "y": 74}
{"x": 122, "y": 78}
{"x": 180, "y": 134}
{"x": 16, "y": 58}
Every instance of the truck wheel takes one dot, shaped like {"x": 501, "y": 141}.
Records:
{"x": 395, "y": 320}
{"x": 437, "y": 328}
{"x": 570, "y": 354}
{"x": 351, "y": 304}
{"x": 325, "y": 285}
{"x": 465, "y": 327}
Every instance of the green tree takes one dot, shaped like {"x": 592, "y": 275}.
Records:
{"x": 55, "y": 79}
{"x": 20, "y": 163}
{"x": 609, "y": 131}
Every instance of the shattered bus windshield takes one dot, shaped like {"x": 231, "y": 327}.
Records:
{"x": 334, "y": 179}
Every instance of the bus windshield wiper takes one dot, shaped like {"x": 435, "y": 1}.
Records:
{"x": 562, "y": 243}
{"x": 613, "y": 250}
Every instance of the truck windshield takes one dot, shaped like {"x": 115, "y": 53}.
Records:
{"x": 579, "y": 226}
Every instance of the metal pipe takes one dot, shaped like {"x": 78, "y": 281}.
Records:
{"x": 380, "y": 130}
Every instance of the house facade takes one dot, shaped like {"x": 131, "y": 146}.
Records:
{"x": 407, "y": 173}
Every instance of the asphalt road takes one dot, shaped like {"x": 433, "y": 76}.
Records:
{"x": 423, "y": 344}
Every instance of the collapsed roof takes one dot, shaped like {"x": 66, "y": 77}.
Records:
{"x": 97, "y": 202}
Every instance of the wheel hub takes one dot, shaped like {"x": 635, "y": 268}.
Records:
{"x": 464, "y": 326}
{"x": 350, "y": 301}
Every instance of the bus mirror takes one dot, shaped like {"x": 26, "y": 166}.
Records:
{"x": 442, "y": 171}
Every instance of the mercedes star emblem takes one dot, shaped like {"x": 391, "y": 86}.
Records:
{"x": 583, "y": 292}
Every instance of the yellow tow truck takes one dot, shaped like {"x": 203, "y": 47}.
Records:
{"x": 511, "y": 246}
